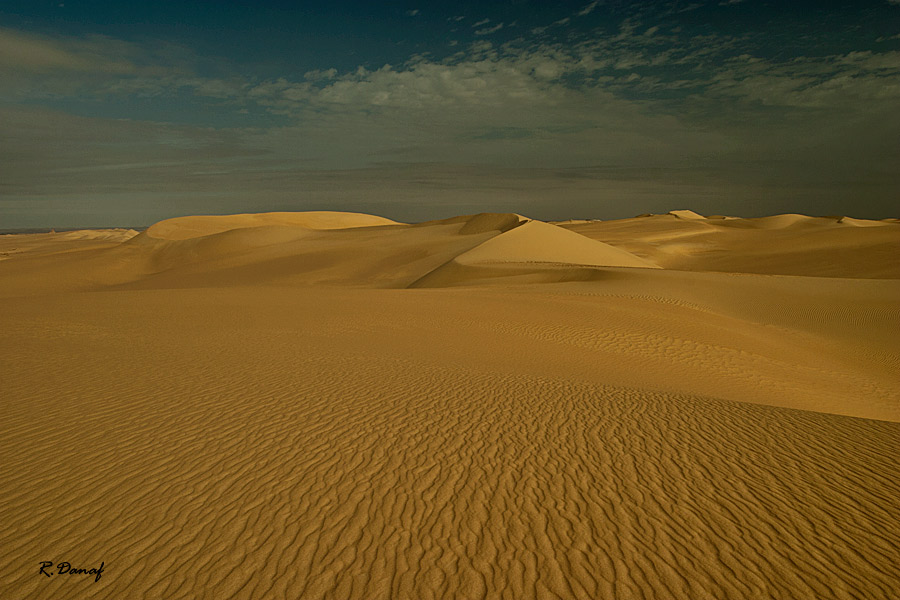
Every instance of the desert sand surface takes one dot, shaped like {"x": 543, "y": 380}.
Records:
{"x": 336, "y": 405}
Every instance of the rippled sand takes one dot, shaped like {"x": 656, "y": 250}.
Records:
{"x": 323, "y": 405}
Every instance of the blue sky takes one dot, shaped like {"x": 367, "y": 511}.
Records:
{"x": 124, "y": 113}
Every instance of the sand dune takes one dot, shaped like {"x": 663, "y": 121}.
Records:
{"x": 685, "y": 214}
{"x": 330, "y": 405}
{"x": 181, "y": 228}
{"x": 532, "y": 250}
{"x": 777, "y": 245}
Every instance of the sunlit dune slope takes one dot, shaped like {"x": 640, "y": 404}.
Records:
{"x": 533, "y": 251}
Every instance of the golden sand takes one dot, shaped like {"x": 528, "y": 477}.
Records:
{"x": 335, "y": 405}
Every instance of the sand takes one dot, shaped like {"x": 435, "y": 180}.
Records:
{"x": 333, "y": 405}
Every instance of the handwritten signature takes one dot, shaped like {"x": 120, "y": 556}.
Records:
{"x": 65, "y": 568}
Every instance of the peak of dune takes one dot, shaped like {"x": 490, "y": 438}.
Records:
{"x": 112, "y": 235}
{"x": 861, "y": 222}
{"x": 479, "y": 223}
{"x": 181, "y": 228}
{"x": 792, "y": 221}
{"x": 539, "y": 242}
{"x": 484, "y": 222}
{"x": 534, "y": 252}
{"x": 685, "y": 214}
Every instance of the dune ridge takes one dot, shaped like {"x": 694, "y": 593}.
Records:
{"x": 326, "y": 405}
{"x": 181, "y": 228}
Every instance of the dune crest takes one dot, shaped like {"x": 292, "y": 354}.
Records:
{"x": 181, "y": 228}
{"x": 485, "y": 222}
{"x": 685, "y": 214}
{"x": 539, "y": 242}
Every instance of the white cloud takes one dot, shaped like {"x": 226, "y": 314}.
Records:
{"x": 588, "y": 9}
{"x": 480, "y": 23}
{"x": 318, "y": 75}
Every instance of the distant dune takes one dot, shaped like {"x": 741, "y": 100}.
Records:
{"x": 182, "y": 228}
{"x": 337, "y": 405}
{"x": 777, "y": 245}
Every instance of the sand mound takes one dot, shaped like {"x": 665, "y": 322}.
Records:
{"x": 861, "y": 222}
{"x": 181, "y": 228}
{"x": 685, "y": 214}
{"x": 538, "y": 242}
{"x": 162, "y": 254}
{"x": 530, "y": 250}
{"x": 788, "y": 244}
{"x": 114, "y": 235}
{"x": 788, "y": 221}
{"x": 485, "y": 222}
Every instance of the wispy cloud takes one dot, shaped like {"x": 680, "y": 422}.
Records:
{"x": 489, "y": 30}
{"x": 29, "y": 53}
{"x": 588, "y": 9}
{"x": 644, "y": 95}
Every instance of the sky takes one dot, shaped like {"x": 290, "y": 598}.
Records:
{"x": 116, "y": 113}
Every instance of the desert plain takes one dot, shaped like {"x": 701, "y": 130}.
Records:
{"x": 336, "y": 405}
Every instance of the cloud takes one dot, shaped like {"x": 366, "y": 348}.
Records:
{"x": 480, "y": 23}
{"x": 23, "y": 52}
{"x": 413, "y": 12}
{"x": 489, "y": 30}
{"x": 319, "y": 75}
{"x": 34, "y": 66}
{"x": 637, "y": 98}
{"x": 588, "y": 9}
{"x": 837, "y": 82}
